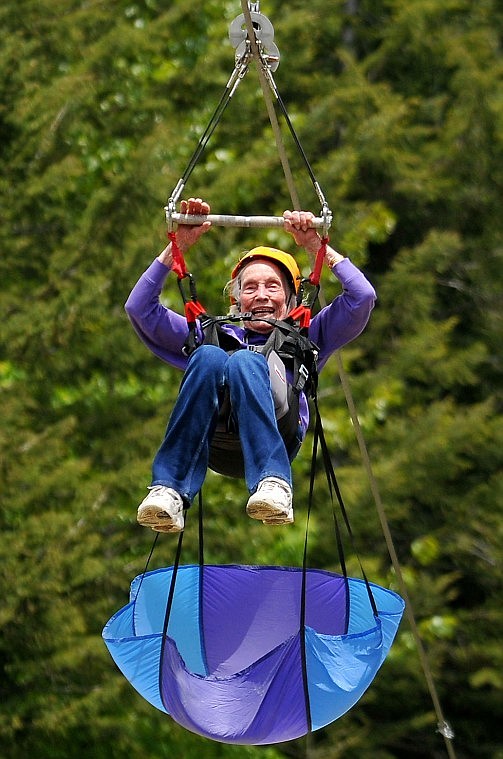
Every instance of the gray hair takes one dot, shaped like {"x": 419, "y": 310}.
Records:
{"x": 231, "y": 291}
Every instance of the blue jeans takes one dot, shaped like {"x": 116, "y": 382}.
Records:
{"x": 182, "y": 460}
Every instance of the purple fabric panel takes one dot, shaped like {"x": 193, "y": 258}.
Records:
{"x": 248, "y": 611}
{"x": 326, "y": 602}
{"x": 262, "y": 704}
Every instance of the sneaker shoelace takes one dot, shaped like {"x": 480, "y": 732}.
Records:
{"x": 156, "y": 488}
{"x": 271, "y": 485}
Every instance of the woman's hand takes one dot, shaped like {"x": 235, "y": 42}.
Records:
{"x": 187, "y": 234}
{"x": 300, "y": 225}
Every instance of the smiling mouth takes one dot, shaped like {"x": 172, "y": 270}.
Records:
{"x": 263, "y": 312}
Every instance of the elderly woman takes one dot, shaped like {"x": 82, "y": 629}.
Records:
{"x": 226, "y": 415}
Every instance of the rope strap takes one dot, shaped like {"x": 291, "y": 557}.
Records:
{"x": 179, "y": 266}
{"x": 193, "y": 309}
{"x": 315, "y": 275}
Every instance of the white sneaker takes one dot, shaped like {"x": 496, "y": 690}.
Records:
{"x": 162, "y": 510}
{"x": 271, "y": 502}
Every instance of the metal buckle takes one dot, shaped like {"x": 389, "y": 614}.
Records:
{"x": 302, "y": 378}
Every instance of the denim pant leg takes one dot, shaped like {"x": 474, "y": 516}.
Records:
{"x": 182, "y": 460}
{"x": 264, "y": 452}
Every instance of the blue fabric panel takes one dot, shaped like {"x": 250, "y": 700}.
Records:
{"x": 341, "y": 668}
{"x": 137, "y": 657}
{"x": 391, "y": 608}
{"x": 151, "y": 597}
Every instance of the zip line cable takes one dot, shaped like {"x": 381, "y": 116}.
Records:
{"x": 443, "y": 726}
{"x": 264, "y": 82}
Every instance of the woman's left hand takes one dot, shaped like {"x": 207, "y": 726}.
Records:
{"x": 300, "y": 225}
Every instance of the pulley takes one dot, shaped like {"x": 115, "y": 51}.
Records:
{"x": 264, "y": 34}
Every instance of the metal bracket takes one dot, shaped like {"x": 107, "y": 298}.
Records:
{"x": 445, "y": 730}
{"x": 264, "y": 33}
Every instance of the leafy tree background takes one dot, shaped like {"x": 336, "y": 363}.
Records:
{"x": 399, "y": 107}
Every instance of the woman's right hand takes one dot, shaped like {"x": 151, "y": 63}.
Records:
{"x": 187, "y": 234}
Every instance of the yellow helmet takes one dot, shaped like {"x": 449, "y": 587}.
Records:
{"x": 285, "y": 261}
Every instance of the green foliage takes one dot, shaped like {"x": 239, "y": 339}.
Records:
{"x": 398, "y": 106}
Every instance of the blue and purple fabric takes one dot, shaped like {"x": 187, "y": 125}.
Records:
{"x": 236, "y": 664}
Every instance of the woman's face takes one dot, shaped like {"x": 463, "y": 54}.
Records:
{"x": 263, "y": 292}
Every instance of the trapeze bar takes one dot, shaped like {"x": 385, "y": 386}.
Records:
{"x": 220, "y": 220}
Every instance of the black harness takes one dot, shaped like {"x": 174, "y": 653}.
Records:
{"x": 291, "y": 343}
{"x": 288, "y": 340}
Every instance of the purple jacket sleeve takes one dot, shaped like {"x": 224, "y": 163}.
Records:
{"x": 347, "y": 315}
{"x": 162, "y": 330}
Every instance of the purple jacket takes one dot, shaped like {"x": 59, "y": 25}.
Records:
{"x": 164, "y": 331}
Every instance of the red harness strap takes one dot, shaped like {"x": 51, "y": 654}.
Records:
{"x": 315, "y": 275}
{"x": 179, "y": 266}
{"x": 192, "y": 307}
{"x": 302, "y": 313}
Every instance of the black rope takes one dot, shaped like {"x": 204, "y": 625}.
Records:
{"x": 201, "y": 584}
{"x": 167, "y": 615}
{"x": 303, "y": 596}
{"x": 296, "y": 139}
{"x": 210, "y": 128}
{"x": 214, "y": 121}
{"x": 236, "y": 76}
{"x": 143, "y": 575}
{"x": 201, "y": 537}
{"x": 334, "y": 488}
